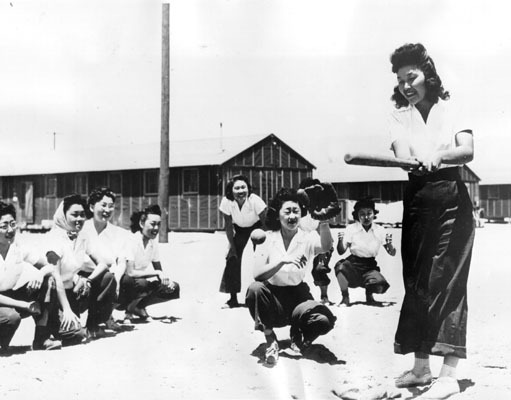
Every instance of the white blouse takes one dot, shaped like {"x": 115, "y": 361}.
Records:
{"x": 141, "y": 256}
{"x": 307, "y": 244}
{"x": 248, "y": 215}
{"x": 426, "y": 138}
{"x": 364, "y": 243}
{"x": 19, "y": 262}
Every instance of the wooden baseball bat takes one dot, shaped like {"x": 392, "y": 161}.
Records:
{"x": 378, "y": 160}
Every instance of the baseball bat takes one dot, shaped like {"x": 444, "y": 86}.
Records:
{"x": 378, "y": 160}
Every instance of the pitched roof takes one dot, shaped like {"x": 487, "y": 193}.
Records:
{"x": 183, "y": 153}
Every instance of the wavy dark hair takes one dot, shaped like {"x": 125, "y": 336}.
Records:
{"x": 73, "y": 199}
{"x": 230, "y": 185}
{"x": 416, "y": 54}
{"x": 7, "y": 209}
{"x": 98, "y": 194}
{"x": 364, "y": 203}
{"x": 140, "y": 216}
{"x": 272, "y": 220}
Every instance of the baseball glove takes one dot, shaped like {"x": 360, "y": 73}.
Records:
{"x": 321, "y": 201}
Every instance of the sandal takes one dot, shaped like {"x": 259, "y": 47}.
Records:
{"x": 409, "y": 379}
{"x": 272, "y": 353}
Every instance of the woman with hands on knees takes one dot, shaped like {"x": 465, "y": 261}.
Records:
{"x": 243, "y": 212}
{"x": 438, "y": 227}
{"x": 82, "y": 274}
{"x": 144, "y": 282}
{"x": 26, "y": 287}
{"x": 280, "y": 297}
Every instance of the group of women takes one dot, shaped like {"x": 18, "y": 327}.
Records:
{"x": 436, "y": 247}
{"x": 83, "y": 264}
{"x": 97, "y": 266}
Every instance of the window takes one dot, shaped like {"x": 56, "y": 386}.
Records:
{"x": 51, "y": 186}
{"x": 493, "y": 192}
{"x": 150, "y": 182}
{"x": 115, "y": 182}
{"x": 81, "y": 184}
{"x": 190, "y": 181}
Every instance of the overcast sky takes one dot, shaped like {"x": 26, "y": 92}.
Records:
{"x": 315, "y": 73}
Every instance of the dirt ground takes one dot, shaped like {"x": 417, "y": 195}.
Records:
{"x": 214, "y": 353}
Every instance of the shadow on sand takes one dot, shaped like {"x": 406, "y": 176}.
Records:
{"x": 316, "y": 352}
{"x": 15, "y": 350}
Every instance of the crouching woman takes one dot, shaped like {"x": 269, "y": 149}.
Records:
{"x": 280, "y": 297}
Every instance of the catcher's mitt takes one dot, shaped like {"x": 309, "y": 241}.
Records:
{"x": 321, "y": 201}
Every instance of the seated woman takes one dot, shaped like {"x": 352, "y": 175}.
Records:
{"x": 144, "y": 282}
{"x": 25, "y": 288}
{"x": 280, "y": 297}
{"x": 82, "y": 273}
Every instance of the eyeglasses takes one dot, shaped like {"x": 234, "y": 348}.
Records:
{"x": 7, "y": 225}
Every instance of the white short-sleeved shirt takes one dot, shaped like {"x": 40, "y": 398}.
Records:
{"x": 306, "y": 244}
{"x": 19, "y": 261}
{"x": 142, "y": 257}
{"x": 426, "y": 138}
{"x": 112, "y": 241}
{"x": 248, "y": 215}
{"x": 73, "y": 253}
{"x": 362, "y": 243}
{"x": 308, "y": 224}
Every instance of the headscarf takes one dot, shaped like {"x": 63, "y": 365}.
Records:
{"x": 59, "y": 219}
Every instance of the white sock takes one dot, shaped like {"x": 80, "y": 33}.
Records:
{"x": 421, "y": 366}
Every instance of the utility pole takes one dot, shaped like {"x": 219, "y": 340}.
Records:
{"x": 54, "y": 139}
{"x": 163, "y": 187}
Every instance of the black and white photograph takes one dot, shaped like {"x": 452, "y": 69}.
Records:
{"x": 255, "y": 199}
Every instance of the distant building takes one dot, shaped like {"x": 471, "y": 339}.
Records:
{"x": 495, "y": 200}
{"x": 199, "y": 170}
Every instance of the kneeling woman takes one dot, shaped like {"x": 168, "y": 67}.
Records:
{"x": 280, "y": 297}
{"x": 82, "y": 269}
{"x": 144, "y": 282}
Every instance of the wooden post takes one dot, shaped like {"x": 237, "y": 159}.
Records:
{"x": 163, "y": 187}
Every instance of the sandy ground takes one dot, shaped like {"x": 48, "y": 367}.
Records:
{"x": 213, "y": 353}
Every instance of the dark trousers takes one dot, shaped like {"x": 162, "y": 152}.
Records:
{"x": 436, "y": 248}
{"x": 362, "y": 272}
{"x": 10, "y": 318}
{"x": 231, "y": 279}
{"x": 100, "y": 301}
{"x": 141, "y": 292}
{"x": 320, "y": 269}
{"x": 278, "y": 306}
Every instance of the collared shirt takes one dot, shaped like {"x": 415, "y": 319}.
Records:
{"x": 364, "y": 243}
{"x": 308, "y": 224}
{"x": 426, "y": 138}
{"x": 307, "y": 244}
{"x": 143, "y": 257}
{"x": 248, "y": 215}
{"x": 112, "y": 240}
{"x": 18, "y": 263}
{"x": 73, "y": 253}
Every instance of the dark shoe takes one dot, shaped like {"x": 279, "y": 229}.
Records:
{"x": 326, "y": 301}
{"x": 345, "y": 301}
{"x": 111, "y": 325}
{"x": 95, "y": 332}
{"x": 231, "y": 304}
{"x": 370, "y": 299}
{"x": 138, "y": 312}
{"x": 48, "y": 344}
